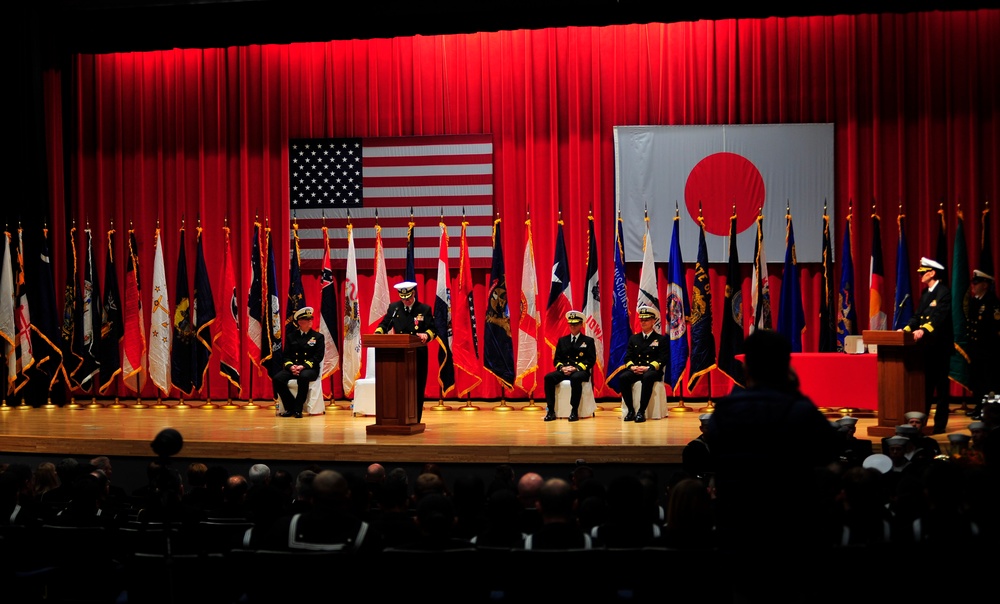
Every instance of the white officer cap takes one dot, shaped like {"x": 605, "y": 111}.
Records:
{"x": 406, "y": 289}
{"x": 926, "y": 264}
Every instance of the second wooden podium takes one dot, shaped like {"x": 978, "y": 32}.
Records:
{"x": 395, "y": 383}
{"x": 900, "y": 378}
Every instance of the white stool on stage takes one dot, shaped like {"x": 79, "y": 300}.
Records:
{"x": 657, "y": 408}
{"x": 314, "y": 398}
{"x": 587, "y": 402}
{"x": 364, "y": 388}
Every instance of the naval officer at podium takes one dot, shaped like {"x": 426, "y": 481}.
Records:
{"x": 412, "y": 317}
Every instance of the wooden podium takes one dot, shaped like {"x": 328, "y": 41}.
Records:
{"x": 395, "y": 383}
{"x": 900, "y": 378}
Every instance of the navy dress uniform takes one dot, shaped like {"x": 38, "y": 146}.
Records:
{"x": 933, "y": 319}
{"x": 574, "y": 358}
{"x": 410, "y": 316}
{"x": 304, "y": 349}
{"x": 984, "y": 338}
{"x": 646, "y": 349}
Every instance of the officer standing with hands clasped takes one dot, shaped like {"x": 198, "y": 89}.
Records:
{"x": 411, "y": 317}
{"x": 304, "y": 349}
{"x": 932, "y": 330}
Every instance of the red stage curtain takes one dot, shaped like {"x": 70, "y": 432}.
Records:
{"x": 180, "y": 137}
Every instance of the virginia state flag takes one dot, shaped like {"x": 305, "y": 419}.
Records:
{"x": 876, "y": 315}
{"x": 560, "y": 293}
{"x": 528, "y": 321}
{"x": 702, "y": 338}
{"x": 442, "y": 319}
{"x": 903, "y": 304}
{"x": 678, "y": 309}
{"x": 498, "y": 347}
{"x": 621, "y": 326}
{"x": 731, "y": 339}
{"x": 792, "y": 317}
{"x": 204, "y": 314}
{"x": 847, "y": 322}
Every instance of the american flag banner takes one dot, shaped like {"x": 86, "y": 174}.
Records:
{"x": 423, "y": 179}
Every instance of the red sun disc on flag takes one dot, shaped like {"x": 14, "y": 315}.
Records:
{"x": 719, "y": 182}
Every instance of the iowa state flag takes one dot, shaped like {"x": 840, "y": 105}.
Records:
{"x": 560, "y": 293}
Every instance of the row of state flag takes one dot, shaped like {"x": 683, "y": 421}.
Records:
{"x": 103, "y": 335}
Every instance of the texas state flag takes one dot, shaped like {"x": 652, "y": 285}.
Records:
{"x": 725, "y": 170}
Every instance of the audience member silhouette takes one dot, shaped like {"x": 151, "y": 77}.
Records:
{"x": 559, "y": 529}
{"x": 629, "y": 523}
{"x": 690, "y": 522}
{"x": 328, "y": 525}
{"x": 502, "y": 528}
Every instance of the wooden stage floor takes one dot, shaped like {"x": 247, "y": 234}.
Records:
{"x": 460, "y": 435}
